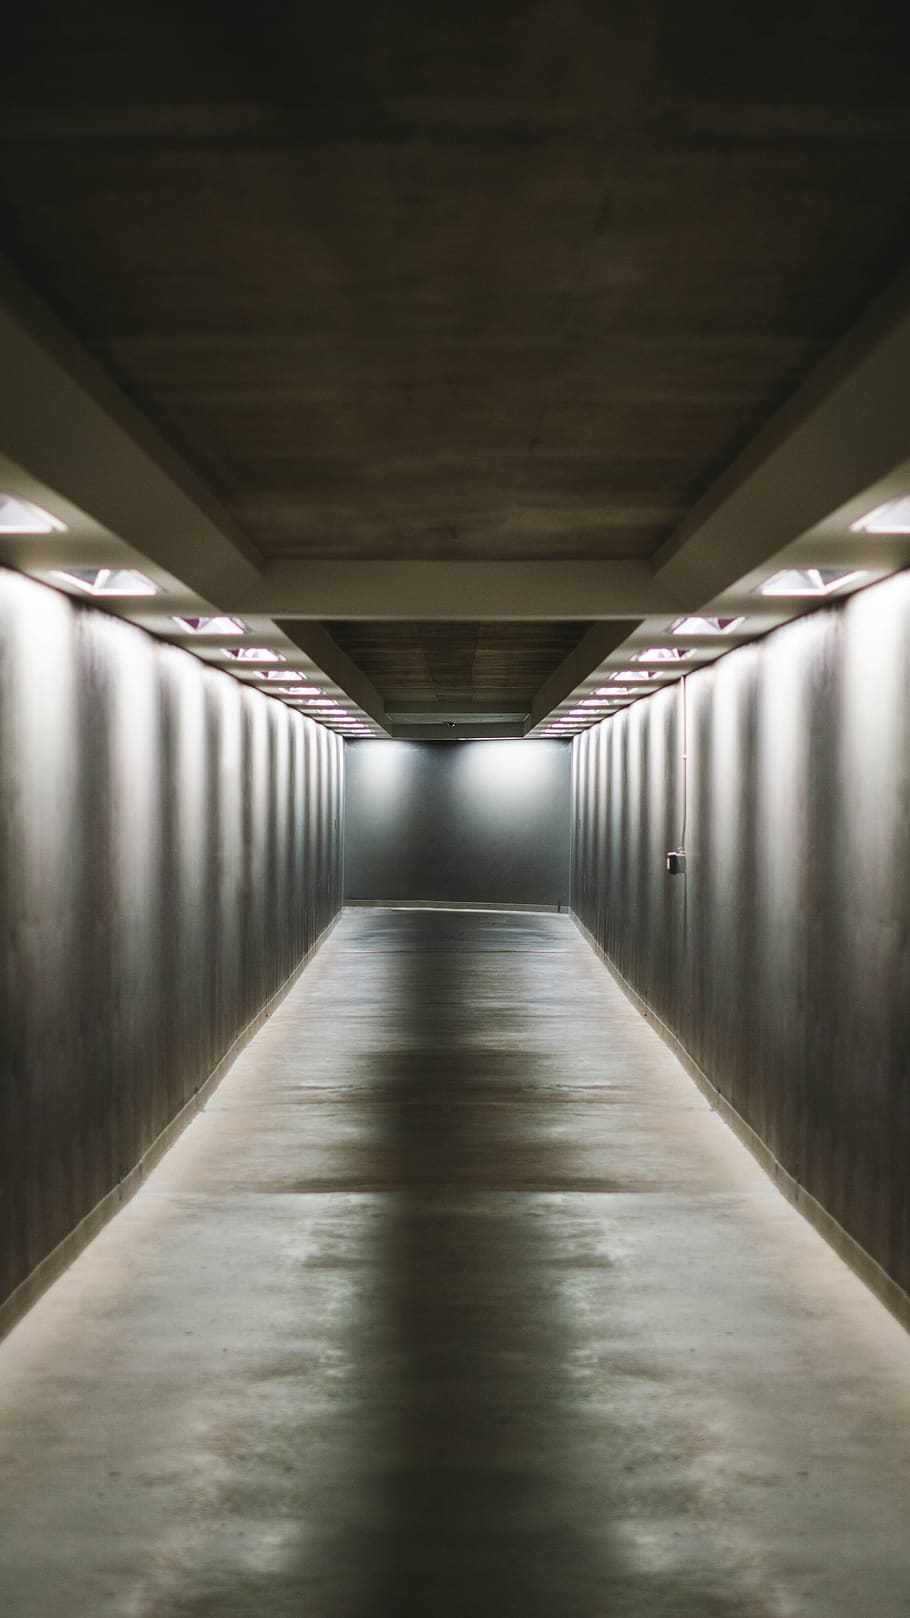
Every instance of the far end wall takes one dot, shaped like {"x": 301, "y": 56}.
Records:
{"x": 458, "y": 822}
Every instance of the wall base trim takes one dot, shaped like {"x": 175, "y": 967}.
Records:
{"x": 451, "y": 904}
{"x": 52, "y": 1266}
{"x": 862, "y": 1264}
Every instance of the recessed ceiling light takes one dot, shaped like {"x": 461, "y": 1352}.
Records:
{"x": 613, "y": 691}
{"x": 253, "y": 654}
{"x": 108, "y": 581}
{"x": 22, "y": 517}
{"x": 663, "y": 654}
{"x": 212, "y": 626}
{"x": 634, "y": 674}
{"x": 706, "y": 626}
{"x": 283, "y": 674}
{"x": 322, "y": 702}
{"x": 891, "y": 518}
{"x": 293, "y": 690}
{"x": 808, "y": 581}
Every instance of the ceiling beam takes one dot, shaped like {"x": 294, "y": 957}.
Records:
{"x": 843, "y": 433}
{"x": 597, "y": 644}
{"x": 337, "y": 667}
{"x": 458, "y": 731}
{"x": 71, "y": 430}
{"x": 472, "y": 592}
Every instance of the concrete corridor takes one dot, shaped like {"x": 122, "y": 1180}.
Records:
{"x": 458, "y": 1299}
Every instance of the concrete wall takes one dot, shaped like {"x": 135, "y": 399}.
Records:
{"x": 464, "y": 822}
{"x": 169, "y": 851}
{"x": 782, "y": 960}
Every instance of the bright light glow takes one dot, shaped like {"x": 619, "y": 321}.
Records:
{"x": 322, "y": 702}
{"x": 808, "y": 581}
{"x": 706, "y": 626}
{"x": 663, "y": 654}
{"x": 292, "y": 690}
{"x": 253, "y": 654}
{"x": 613, "y": 691}
{"x": 108, "y": 581}
{"x": 283, "y": 674}
{"x": 22, "y": 517}
{"x": 634, "y": 674}
{"x": 212, "y": 626}
{"x": 891, "y": 518}
{"x": 595, "y": 702}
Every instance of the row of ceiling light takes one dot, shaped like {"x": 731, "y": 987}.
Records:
{"x": 788, "y": 583}
{"x": 23, "y": 517}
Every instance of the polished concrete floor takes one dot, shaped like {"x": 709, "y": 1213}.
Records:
{"x": 457, "y": 1300}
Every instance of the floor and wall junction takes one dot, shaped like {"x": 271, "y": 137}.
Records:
{"x": 780, "y": 960}
{"x": 456, "y": 1299}
{"x": 170, "y": 851}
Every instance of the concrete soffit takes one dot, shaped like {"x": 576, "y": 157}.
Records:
{"x": 70, "y": 441}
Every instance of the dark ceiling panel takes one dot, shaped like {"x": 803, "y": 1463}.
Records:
{"x": 511, "y": 280}
{"x": 440, "y": 662}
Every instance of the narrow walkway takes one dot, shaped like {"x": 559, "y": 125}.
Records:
{"x": 457, "y": 1301}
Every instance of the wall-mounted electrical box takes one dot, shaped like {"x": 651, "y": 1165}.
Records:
{"x": 676, "y": 862}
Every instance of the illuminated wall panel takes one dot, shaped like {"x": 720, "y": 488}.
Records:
{"x": 160, "y": 877}
{"x": 781, "y": 960}
{"x": 483, "y": 822}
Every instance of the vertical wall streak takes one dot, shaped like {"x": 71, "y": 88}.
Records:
{"x": 161, "y": 875}
{"x": 781, "y": 961}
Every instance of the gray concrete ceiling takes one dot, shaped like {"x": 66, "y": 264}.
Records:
{"x": 447, "y": 318}
{"x": 486, "y": 665}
